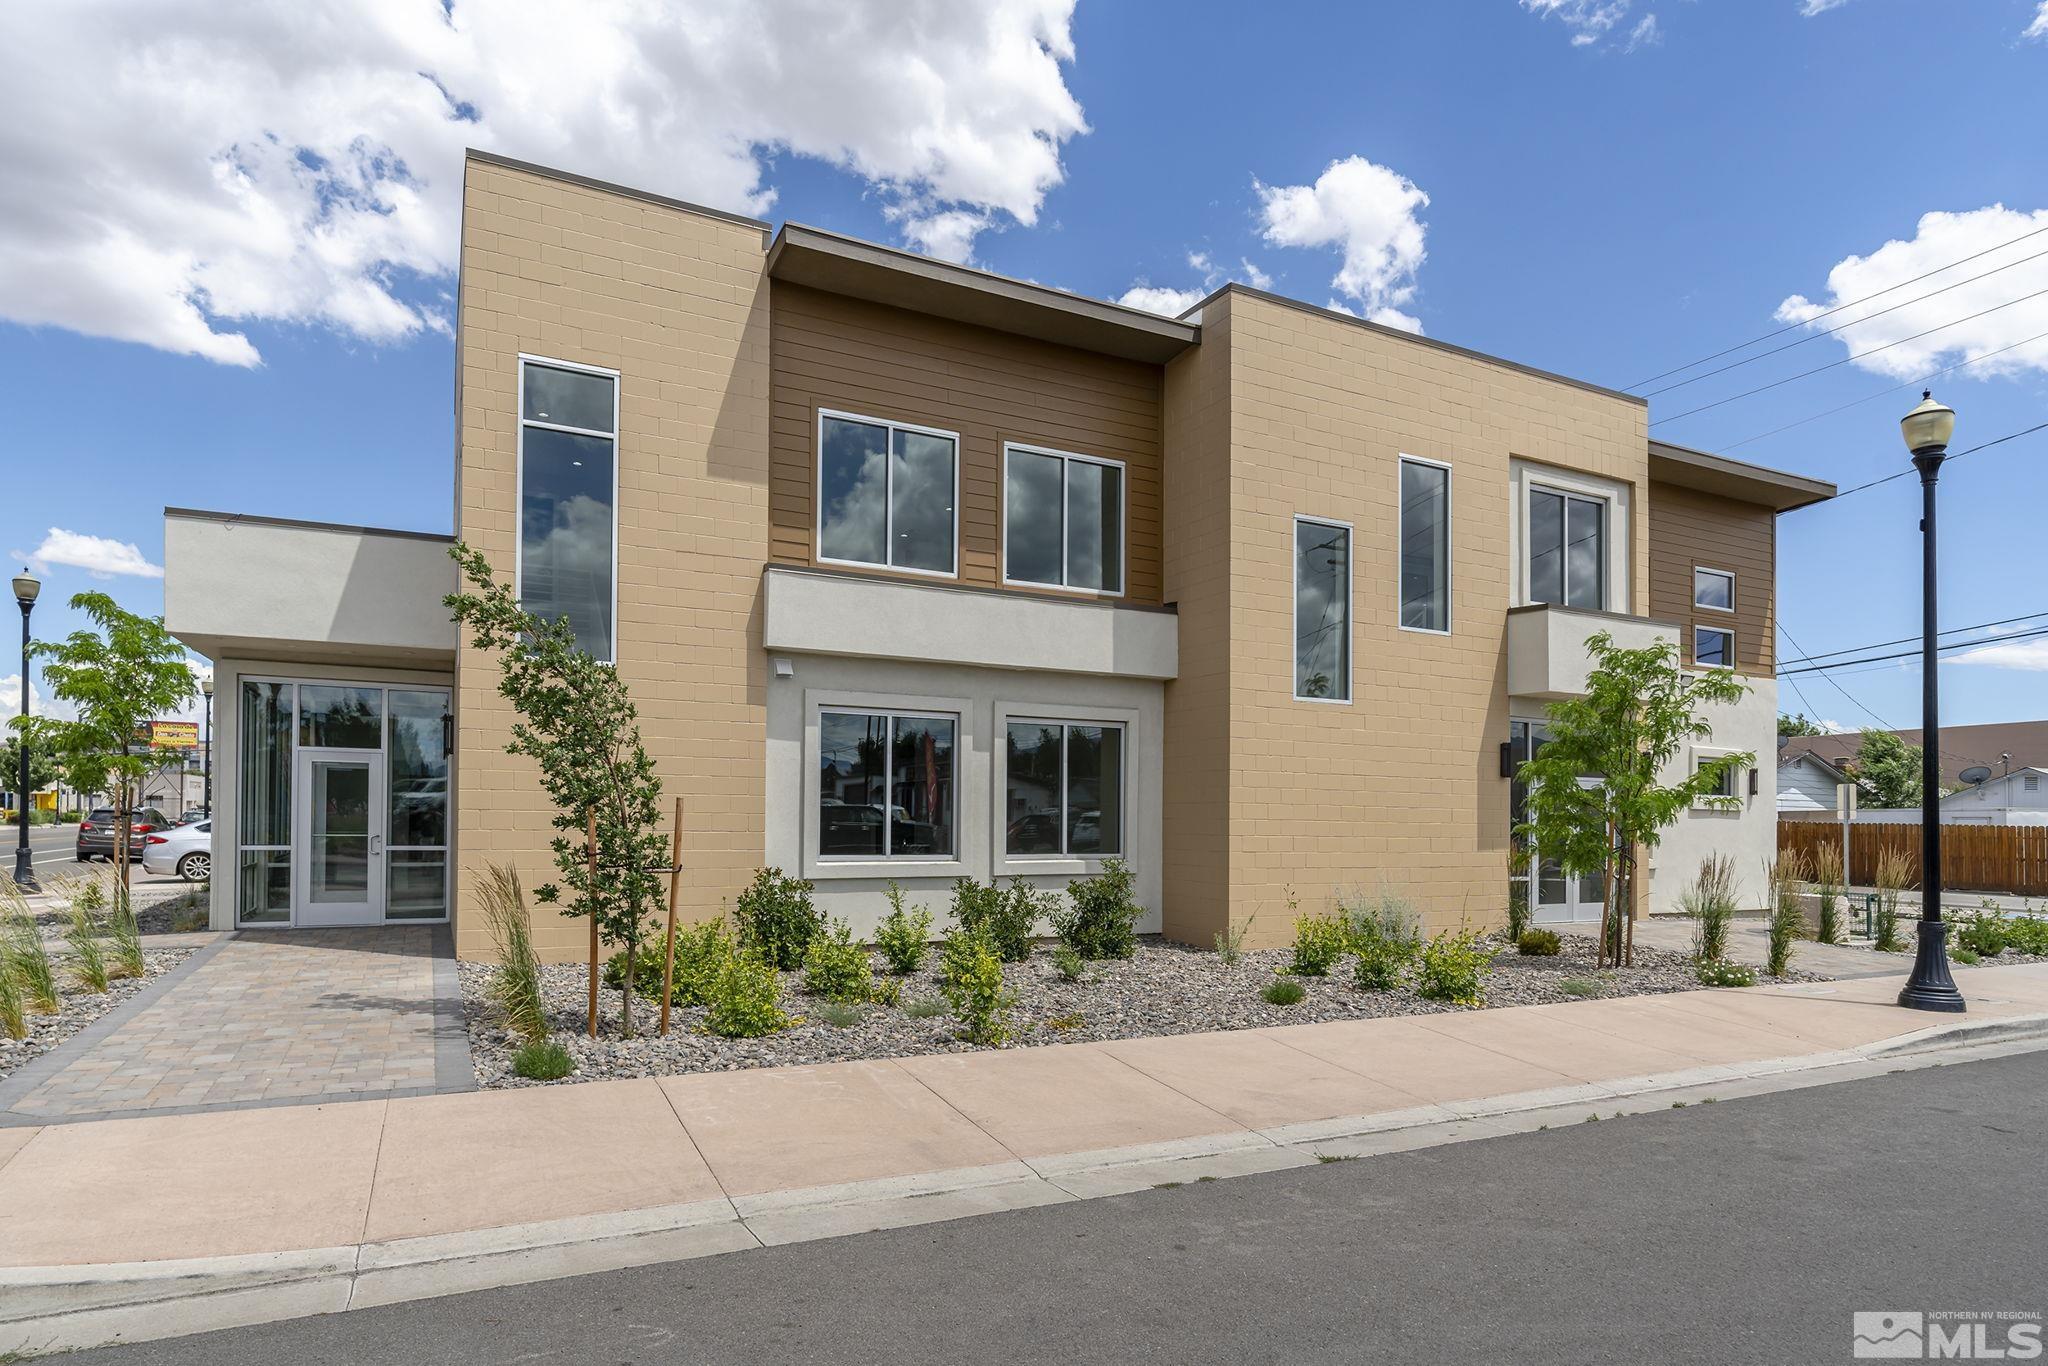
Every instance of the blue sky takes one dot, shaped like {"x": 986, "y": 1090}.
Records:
{"x": 1605, "y": 198}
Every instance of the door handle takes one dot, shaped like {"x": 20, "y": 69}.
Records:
{"x": 376, "y": 844}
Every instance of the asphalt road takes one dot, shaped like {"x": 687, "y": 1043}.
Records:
{"x": 1746, "y": 1232}
{"x": 52, "y": 847}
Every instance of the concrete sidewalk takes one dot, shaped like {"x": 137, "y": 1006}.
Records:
{"x": 161, "y": 1225}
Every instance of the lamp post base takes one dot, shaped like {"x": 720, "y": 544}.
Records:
{"x": 1930, "y": 987}
{"x": 25, "y": 871}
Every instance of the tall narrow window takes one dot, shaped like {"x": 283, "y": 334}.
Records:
{"x": 1064, "y": 789}
{"x": 1567, "y": 549}
{"x": 885, "y": 785}
{"x": 1063, "y": 519}
{"x": 886, "y": 494}
{"x": 417, "y": 764}
{"x": 568, "y": 493}
{"x": 1425, "y": 545}
{"x": 1322, "y": 610}
{"x": 264, "y": 795}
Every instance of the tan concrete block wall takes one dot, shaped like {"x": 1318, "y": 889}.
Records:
{"x": 678, "y": 303}
{"x": 1404, "y": 782}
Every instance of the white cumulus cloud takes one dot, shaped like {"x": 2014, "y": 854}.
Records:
{"x": 1588, "y": 20}
{"x": 2014, "y": 654}
{"x": 10, "y": 707}
{"x": 2039, "y": 27}
{"x": 1809, "y": 8}
{"x": 1371, "y": 215}
{"x": 1174, "y": 302}
{"x": 100, "y": 556}
{"x": 175, "y": 170}
{"x": 1931, "y": 323}
{"x": 1161, "y": 299}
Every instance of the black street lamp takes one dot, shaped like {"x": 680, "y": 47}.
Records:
{"x": 26, "y": 586}
{"x": 206, "y": 754}
{"x": 1927, "y": 431}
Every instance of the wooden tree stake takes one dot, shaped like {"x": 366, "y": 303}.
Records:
{"x": 675, "y": 877}
{"x": 590, "y": 890}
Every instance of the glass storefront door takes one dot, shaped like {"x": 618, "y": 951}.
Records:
{"x": 340, "y": 863}
{"x": 1554, "y": 897}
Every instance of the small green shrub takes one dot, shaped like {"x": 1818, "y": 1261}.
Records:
{"x": 776, "y": 918}
{"x": 701, "y": 953}
{"x": 1069, "y": 964}
{"x": 1282, "y": 992}
{"x": 1319, "y": 941}
{"x": 924, "y": 1007}
{"x": 1966, "y": 957}
{"x": 1100, "y": 918}
{"x": 1539, "y": 944}
{"x": 1009, "y": 920}
{"x": 646, "y": 968}
{"x": 1230, "y": 942}
{"x": 2027, "y": 934}
{"x": 88, "y": 958}
{"x": 887, "y": 991}
{"x": 836, "y": 967}
{"x": 1067, "y": 1022}
{"x": 1982, "y": 932}
{"x": 744, "y": 997}
{"x": 1719, "y": 972}
{"x": 904, "y": 936}
{"x": 841, "y": 1014}
{"x": 971, "y": 971}
{"x": 1451, "y": 967}
{"x": 89, "y": 895}
{"x": 1379, "y": 964}
{"x": 1584, "y": 988}
{"x": 1385, "y": 933}
{"x": 543, "y": 1060}
{"x": 1710, "y": 901}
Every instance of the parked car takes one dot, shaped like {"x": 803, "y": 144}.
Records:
{"x": 194, "y": 816}
{"x": 186, "y": 850}
{"x": 96, "y": 831}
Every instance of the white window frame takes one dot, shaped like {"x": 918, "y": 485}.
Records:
{"x": 888, "y": 495}
{"x": 1525, "y": 477}
{"x": 1727, "y": 631}
{"x": 1401, "y": 541}
{"x": 1123, "y": 531}
{"x": 1294, "y": 606}
{"x": 1559, "y": 489}
{"x": 829, "y": 867}
{"x": 519, "y": 477}
{"x": 1738, "y": 786}
{"x": 1007, "y": 864}
{"x": 1727, "y": 574}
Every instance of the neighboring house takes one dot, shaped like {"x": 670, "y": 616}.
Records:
{"x": 918, "y": 573}
{"x": 1807, "y": 783}
{"x": 2005, "y": 747}
{"x": 2017, "y": 798}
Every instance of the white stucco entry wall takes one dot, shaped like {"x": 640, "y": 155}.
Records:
{"x": 983, "y": 698}
{"x": 1748, "y": 836}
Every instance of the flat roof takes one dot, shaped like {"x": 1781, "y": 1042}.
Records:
{"x": 204, "y": 515}
{"x": 1730, "y": 478}
{"x": 831, "y": 261}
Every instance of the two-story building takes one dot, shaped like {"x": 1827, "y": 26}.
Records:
{"x": 917, "y": 572}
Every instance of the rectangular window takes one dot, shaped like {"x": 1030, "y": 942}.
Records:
{"x": 263, "y": 889}
{"x": 568, "y": 498}
{"x": 1726, "y": 787}
{"x": 416, "y": 765}
{"x": 885, "y": 785}
{"x": 1425, "y": 545}
{"x": 1713, "y": 647}
{"x": 1567, "y": 549}
{"x": 1322, "y": 610}
{"x": 1713, "y": 589}
{"x": 1063, "y": 520}
{"x": 886, "y": 494}
{"x": 1064, "y": 789}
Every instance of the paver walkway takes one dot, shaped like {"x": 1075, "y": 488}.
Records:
{"x": 263, "y": 1019}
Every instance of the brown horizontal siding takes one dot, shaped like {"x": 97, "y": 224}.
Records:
{"x": 1689, "y": 529}
{"x": 833, "y": 352}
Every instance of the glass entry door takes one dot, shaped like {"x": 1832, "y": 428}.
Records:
{"x": 1554, "y": 896}
{"x": 339, "y": 836}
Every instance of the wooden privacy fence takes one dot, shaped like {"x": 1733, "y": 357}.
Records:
{"x": 1974, "y": 858}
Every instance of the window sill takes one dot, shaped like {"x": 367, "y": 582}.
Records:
{"x": 1053, "y": 865}
{"x": 818, "y": 869}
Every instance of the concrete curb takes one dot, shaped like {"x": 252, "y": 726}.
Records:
{"x": 61, "y": 1308}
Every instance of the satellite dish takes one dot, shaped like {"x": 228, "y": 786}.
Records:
{"x": 1975, "y": 774}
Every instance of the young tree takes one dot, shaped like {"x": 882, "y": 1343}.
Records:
{"x": 1887, "y": 769}
{"x": 1639, "y": 711}
{"x": 578, "y": 724}
{"x": 1798, "y": 725}
{"x": 117, "y": 679}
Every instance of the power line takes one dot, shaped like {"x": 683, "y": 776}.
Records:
{"x": 1909, "y": 384}
{"x": 1998, "y": 441}
{"x": 1838, "y": 687}
{"x": 1856, "y": 356}
{"x": 1838, "y": 308}
{"x": 1905, "y": 640}
{"x": 1831, "y": 331}
{"x": 1914, "y": 654}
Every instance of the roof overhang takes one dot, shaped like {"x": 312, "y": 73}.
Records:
{"x": 883, "y": 275}
{"x": 1737, "y": 479}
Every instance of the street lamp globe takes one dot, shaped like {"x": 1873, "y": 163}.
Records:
{"x": 1929, "y": 426}
{"x": 206, "y": 685}
{"x": 26, "y": 586}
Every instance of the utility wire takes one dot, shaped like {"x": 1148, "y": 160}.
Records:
{"x": 1831, "y": 331}
{"x": 1998, "y": 441}
{"x": 1856, "y": 356}
{"x": 1837, "y": 309}
{"x": 1838, "y": 687}
{"x": 1914, "y": 654}
{"x": 1907, "y": 640}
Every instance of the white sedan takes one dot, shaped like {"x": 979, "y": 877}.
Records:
{"x": 184, "y": 850}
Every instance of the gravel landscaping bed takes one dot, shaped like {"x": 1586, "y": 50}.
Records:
{"x": 159, "y": 907}
{"x": 81, "y": 1008}
{"x": 1166, "y": 989}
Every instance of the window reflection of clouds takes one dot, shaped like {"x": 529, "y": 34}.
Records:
{"x": 1425, "y": 495}
{"x": 922, "y": 496}
{"x": 1032, "y": 513}
{"x": 1322, "y": 610}
{"x": 566, "y": 534}
{"x": 1094, "y": 526}
{"x": 569, "y": 398}
{"x": 856, "y": 514}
